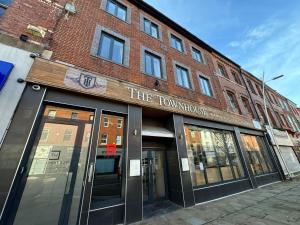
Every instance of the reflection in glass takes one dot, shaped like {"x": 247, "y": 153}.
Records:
{"x": 53, "y": 188}
{"x": 257, "y": 154}
{"x": 213, "y": 156}
{"x": 107, "y": 184}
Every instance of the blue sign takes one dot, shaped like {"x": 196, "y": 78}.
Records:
{"x": 5, "y": 70}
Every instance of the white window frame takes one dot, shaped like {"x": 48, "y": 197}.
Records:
{"x": 120, "y": 126}
{"x": 105, "y": 123}
{"x": 106, "y": 137}
{"x": 119, "y": 138}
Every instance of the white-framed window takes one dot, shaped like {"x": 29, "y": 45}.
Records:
{"x": 104, "y": 139}
{"x": 176, "y": 43}
{"x": 117, "y": 9}
{"x": 120, "y": 123}
{"x": 183, "y": 77}
{"x": 52, "y": 114}
{"x": 205, "y": 86}
{"x": 119, "y": 140}
{"x": 44, "y": 135}
{"x": 67, "y": 135}
{"x": 151, "y": 28}
{"x": 105, "y": 121}
{"x": 197, "y": 55}
{"x": 111, "y": 48}
{"x": 74, "y": 115}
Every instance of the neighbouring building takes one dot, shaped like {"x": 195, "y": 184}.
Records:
{"x": 124, "y": 109}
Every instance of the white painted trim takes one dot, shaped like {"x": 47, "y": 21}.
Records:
{"x": 107, "y": 207}
{"x": 202, "y": 203}
{"x": 217, "y": 185}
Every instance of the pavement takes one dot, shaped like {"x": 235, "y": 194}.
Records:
{"x": 275, "y": 204}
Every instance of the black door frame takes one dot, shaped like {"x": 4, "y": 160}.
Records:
{"x": 26, "y": 161}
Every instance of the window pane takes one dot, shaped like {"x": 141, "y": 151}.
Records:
{"x": 107, "y": 185}
{"x": 235, "y": 160}
{"x": 212, "y": 153}
{"x": 148, "y": 64}
{"x": 185, "y": 78}
{"x": 205, "y": 86}
{"x": 257, "y": 154}
{"x": 173, "y": 41}
{"x": 121, "y": 14}
{"x": 105, "y": 44}
{"x": 179, "y": 46}
{"x": 147, "y": 26}
{"x": 223, "y": 158}
{"x": 117, "y": 54}
{"x": 179, "y": 76}
{"x": 154, "y": 30}
{"x": 157, "y": 67}
{"x": 111, "y": 7}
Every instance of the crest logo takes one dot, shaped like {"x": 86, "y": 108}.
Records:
{"x": 87, "y": 81}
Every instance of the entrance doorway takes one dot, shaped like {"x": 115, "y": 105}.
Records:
{"x": 154, "y": 173}
{"x": 50, "y": 186}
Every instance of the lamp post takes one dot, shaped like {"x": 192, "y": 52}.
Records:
{"x": 269, "y": 123}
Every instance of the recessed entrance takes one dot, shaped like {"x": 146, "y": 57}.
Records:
{"x": 154, "y": 172}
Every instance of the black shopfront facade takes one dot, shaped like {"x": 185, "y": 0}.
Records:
{"x": 70, "y": 158}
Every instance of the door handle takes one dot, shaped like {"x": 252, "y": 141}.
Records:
{"x": 70, "y": 174}
{"x": 90, "y": 173}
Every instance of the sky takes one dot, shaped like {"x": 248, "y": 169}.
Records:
{"x": 259, "y": 35}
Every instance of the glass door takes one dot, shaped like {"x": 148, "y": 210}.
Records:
{"x": 153, "y": 176}
{"x": 51, "y": 187}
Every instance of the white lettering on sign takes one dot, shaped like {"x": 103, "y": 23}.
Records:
{"x": 166, "y": 101}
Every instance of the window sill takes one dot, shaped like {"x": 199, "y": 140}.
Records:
{"x": 182, "y": 53}
{"x": 124, "y": 21}
{"x": 150, "y": 75}
{"x": 148, "y": 35}
{"x": 190, "y": 89}
{"x": 108, "y": 60}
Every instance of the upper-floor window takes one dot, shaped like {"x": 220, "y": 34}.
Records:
{"x": 182, "y": 77}
{"x": 104, "y": 139}
{"x": 3, "y": 6}
{"x": 105, "y": 121}
{"x": 247, "y": 107}
{"x": 151, "y": 28}
{"x": 233, "y": 102}
{"x": 197, "y": 55}
{"x": 120, "y": 123}
{"x": 205, "y": 86}
{"x": 262, "y": 112}
{"x": 111, "y": 48}
{"x": 270, "y": 97}
{"x": 119, "y": 140}
{"x": 153, "y": 65}
{"x": 117, "y": 9}
{"x": 259, "y": 90}
{"x": 236, "y": 77}
{"x": 52, "y": 114}
{"x": 222, "y": 71}
{"x": 74, "y": 115}
{"x": 176, "y": 43}
{"x": 251, "y": 86}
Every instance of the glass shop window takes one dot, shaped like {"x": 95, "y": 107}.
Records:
{"x": 257, "y": 154}
{"x": 108, "y": 188}
{"x": 213, "y": 156}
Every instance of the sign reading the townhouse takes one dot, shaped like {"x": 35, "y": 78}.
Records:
{"x": 166, "y": 102}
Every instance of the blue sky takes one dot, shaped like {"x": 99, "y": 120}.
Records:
{"x": 260, "y": 35}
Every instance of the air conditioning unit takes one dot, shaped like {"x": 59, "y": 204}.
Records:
{"x": 36, "y": 31}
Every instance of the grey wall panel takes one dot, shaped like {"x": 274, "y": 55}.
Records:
{"x": 134, "y": 194}
{"x": 18, "y": 135}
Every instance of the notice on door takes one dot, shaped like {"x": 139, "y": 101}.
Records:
{"x": 185, "y": 164}
{"x": 135, "y": 168}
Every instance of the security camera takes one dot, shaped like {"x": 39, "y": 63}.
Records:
{"x": 34, "y": 55}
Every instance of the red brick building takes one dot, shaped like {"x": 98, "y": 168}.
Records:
{"x": 167, "y": 118}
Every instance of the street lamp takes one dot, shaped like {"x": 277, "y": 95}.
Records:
{"x": 268, "y": 119}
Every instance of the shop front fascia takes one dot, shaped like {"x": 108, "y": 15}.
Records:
{"x": 202, "y": 153}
